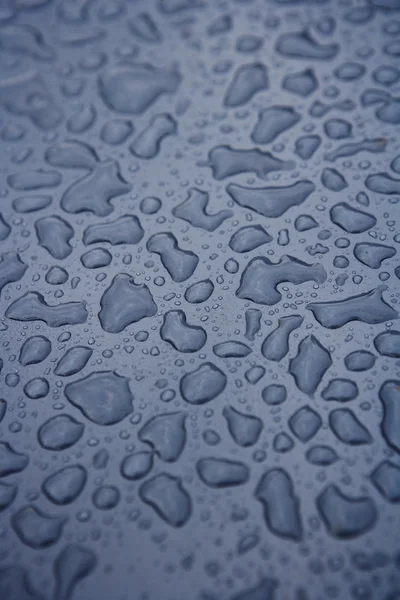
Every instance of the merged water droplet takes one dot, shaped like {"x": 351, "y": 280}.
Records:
{"x": 281, "y": 506}
{"x": 203, "y": 384}
{"x": 166, "y": 434}
{"x": 103, "y": 397}
{"x": 36, "y": 528}
{"x": 345, "y": 516}
{"x": 167, "y": 496}
{"x": 124, "y": 303}
{"x": 261, "y": 278}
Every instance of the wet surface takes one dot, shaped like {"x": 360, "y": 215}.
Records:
{"x": 199, "y": 279}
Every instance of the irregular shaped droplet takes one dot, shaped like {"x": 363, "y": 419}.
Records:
{"x": 386, "y": 75}
{"x": 333, "y": 180}
{"x": 150, "y": 205}
{"x": 103, "y": 397}
{"x": 388, "y": 110}
{"x": 56, "y": 276}
{"x": 372, "y": 255}
{"x": 15, "y": 584}
{"x": 346, "y": 517}
{"x": 386, "y": 479}
{"x": 281, "y": 507}
{"x": 359, "y": 360}
{"x": 96, "y": 258}
{"x": 131, "y": 89}
{"x": 220, "y": 24}
{"x": 11, "y": 461}
{"x": 340, "y": 390}
{"x": 337, "y": 129}
{"x": 282, "y": 443}
{"x": 347, "y": 428}
{"x": 148, "y": 143}
{"x": 35, "y": 528}
{"x": 177, "y": 6}
{"x": 231, "y": 349}
{"x": 389, "y": 395}
{"x": 321, "y": 456}
{"x": 274, "y": 394}
{"x": 221, "y": 472}
{"x": 28, "y": 204}
{"x": 367, "y": 308}
{"x": 261, "y": 278}
{"x": 273, "y": 121}
{"x": 320, "y": 109}
{"x": 12, "y": 268}
{"x": 124, "y": 303}
{"x": 383, "y": 183}
{"x": 199, "y": 292}
{"x": 247, "y": 81}
{"x": 387, "y": 343}
{"x": 5, "y": 229}
{"x": 362, "y": 199}
{"x": 101, "y": 458}
{"x": 244, "y": 429}
{"x": 34, "y": 180}
{"x": 17, "y": 92}
{"x": 73, "y": 564}
{"x": 124, "y": 230}
{"x": 359, "y": 14}
{"x": 73, "y": 12}
{"x": 194, "y": 211}
{"x": 350, "y": 71}
{"x": 303, "y": 83}
{"x": 248, "y": 43}
{"x": 144, "y": 27}
{"x": 203, "y": 384}
{"x": 54, "y": 234}
{"x": 253, "y": 323}
{"x": 395, "y": 164}
{"x": 249, "y": 238}
{"x": 254, "y": 374}
{"x": 36, "y": 388}
{"x": 264, "y": 590}
{"x": 3, "y": 409}
{"x": 8, "y": 491}
{"x": 27, "y": 40}
{"x": 81, "y": 36}
{"x": 306, "y": 145}
{"x": 71, "y": 154}
{"x": 302, "y": 45}
{"x": 64, "y": 486}
{"x": 276, "y": 344}
{"x": 310, "y": 364}
{"x": 179, "y": 263}
{"x": 106, "y": 497}
{"x": 137, "y": 465}
{"x": 375, "y": 146}
{"x": 226, "y": 161}
{"x": 95, "y": 190}
{"x": 73, "y": 361}
{"x": 182, "y": 336}
{"x": 271, "y": 202}
{"x": 60, "y": 432}
{"x": 32, "y": 307}
{"x": 81, "y": 120}
{"x": 166, "y": 434}
{"x": 116, "y": 131}
{"x": 167, "y": 496}
{"x": 305, "y": 223}
{"x": 305, "y": 423}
